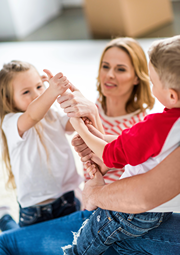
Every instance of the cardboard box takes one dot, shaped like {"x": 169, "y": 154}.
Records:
{"x": 110, "y": 18}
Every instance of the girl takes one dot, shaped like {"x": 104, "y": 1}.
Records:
{"x": 36, "y": 152}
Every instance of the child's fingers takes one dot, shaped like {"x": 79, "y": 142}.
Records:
{"x": 92, "y": 169}
{"x": 49, "y": 74}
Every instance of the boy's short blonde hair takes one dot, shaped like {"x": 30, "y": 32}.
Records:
{"x": 164, "y": 55}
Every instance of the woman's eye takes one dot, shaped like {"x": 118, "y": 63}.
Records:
{"x": 121, "y": 69}
{"x": 105, "y": 66}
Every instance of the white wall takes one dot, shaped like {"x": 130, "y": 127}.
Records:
{"x": 21, "y": 17}
{"x": 72, "y": 3}
{"x": 6, "y": 22}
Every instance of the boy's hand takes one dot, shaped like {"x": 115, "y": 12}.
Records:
{"x": 58, "y": 84}
{"x": 77, "y": 123}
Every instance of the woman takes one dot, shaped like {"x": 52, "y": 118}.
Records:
{"x": 124, "y": 91}
{"x": 49, "y": 237}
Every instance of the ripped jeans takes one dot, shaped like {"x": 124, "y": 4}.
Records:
{"x": 109, "y": 228}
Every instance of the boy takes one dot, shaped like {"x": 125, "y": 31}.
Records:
{"x": 140, "y": 148}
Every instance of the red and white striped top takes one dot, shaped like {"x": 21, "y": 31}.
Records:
{"x": 115, "y": 126}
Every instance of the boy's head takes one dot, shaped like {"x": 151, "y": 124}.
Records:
{"x": 164, "y": 56}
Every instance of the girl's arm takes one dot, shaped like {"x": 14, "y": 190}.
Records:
{"x": 39, "y": 107}
{"x": 138, "y": 193}
{"x": 95, "y": 143}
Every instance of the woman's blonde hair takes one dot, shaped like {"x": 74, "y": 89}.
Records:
{"x": 141, "y": 97}
{"x": 164, "y": 55}
{"x": 7, "y": 73}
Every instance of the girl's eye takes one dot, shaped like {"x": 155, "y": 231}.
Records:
{"x": 26, "y": 92}
{"x": 39, "y": 87}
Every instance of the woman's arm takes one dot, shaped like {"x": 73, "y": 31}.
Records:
{"x": 76, "y": 105}
{"x": 138, "y": 193}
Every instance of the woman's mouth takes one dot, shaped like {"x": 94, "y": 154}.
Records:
{"x": 110, "y": 85}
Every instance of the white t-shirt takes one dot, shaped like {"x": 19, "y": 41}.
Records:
{"x": 37, "y": 176}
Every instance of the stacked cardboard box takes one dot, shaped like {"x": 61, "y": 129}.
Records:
{"x": 110, "y": 18}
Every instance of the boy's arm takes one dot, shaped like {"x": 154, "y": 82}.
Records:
{"x": 138, "y": 193}
{"x": 39, "y": 107}
{"x": 96, "y": 144}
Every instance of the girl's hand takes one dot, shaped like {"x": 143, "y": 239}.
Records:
{"x": 58, "y": 84}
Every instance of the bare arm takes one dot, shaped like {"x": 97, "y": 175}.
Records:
{"x": 95, "y": 143}
{"x": 138, "y": 193}
{"x": 76, "y": 105}
{"x": 39, "y": 107}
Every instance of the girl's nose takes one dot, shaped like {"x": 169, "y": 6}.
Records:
{"x": 35, "y": 94}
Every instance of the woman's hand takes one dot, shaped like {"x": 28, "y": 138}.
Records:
{"x": 76, "y": 105}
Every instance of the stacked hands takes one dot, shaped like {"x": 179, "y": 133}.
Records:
{"x": 58, "y": 85}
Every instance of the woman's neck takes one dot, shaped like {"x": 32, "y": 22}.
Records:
{"x": 115, "y": 107}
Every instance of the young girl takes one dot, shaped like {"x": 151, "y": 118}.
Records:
{"x": 36, "y": 152}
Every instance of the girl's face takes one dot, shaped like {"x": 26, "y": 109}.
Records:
{"x": 27, "y": 86}
{"x": 117, "y": 75}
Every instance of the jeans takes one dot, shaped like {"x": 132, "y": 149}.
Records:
{"x": 62, "y": 206}
{"x": 48, "y": 237}
{"x": 109, "y": 228}
{"x": 7, "y": 222}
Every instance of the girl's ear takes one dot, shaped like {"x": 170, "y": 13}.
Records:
{"x": 173, "y": 96}
{"x": 136, "y": 80}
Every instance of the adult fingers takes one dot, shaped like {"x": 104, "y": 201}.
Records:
{"x": 73, "y": 88}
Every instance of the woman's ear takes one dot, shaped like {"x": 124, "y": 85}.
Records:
{"x": 174, "y": 97}
{"x": 136, "y": 80}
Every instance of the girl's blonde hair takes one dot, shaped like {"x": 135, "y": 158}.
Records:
{"x": 165, "y": 57}
{"x": 7, "y": 73}
{"x": 141, "y": 97}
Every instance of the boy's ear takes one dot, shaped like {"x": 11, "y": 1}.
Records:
{"x": 174, "y": 97}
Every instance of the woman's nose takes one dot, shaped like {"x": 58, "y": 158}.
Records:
{"x": 111, "y": 73}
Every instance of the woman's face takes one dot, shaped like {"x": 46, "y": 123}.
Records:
{"x": 117, "y": 75}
